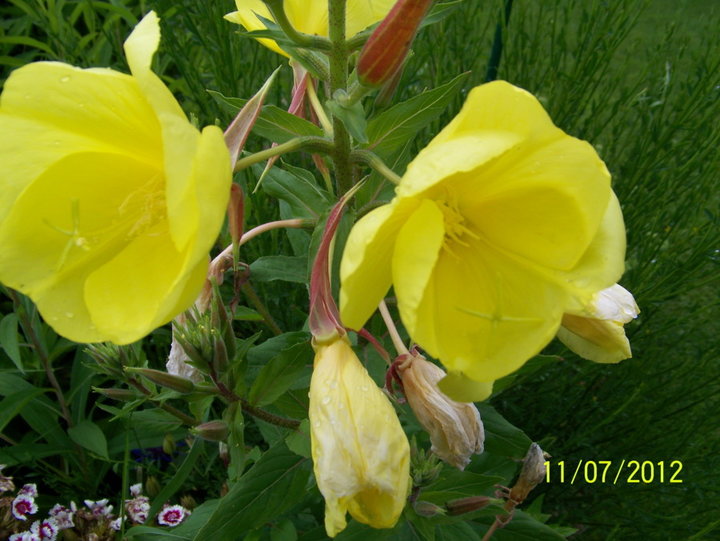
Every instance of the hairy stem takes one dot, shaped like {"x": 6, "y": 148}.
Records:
{"x": 338, "y": 81}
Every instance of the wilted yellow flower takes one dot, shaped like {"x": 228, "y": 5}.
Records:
{"x": 455, "y": 428}
{"x": 309, "y": 16}
{"x": 361, "y": 454}
{"x": 111, "y": 198}
{"x": 498, "y": 225}
{"x": 596, "y": 332}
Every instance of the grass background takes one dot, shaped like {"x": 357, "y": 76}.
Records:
{"x": 638, "y": 79}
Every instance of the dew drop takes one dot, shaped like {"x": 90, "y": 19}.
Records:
{"x": 316, "y": 424}
{"x": 364, "y": 388}
{"x": 69, "y": 315}
{"x": 326, "y": 400}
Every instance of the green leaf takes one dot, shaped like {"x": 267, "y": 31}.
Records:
{"x": 177, "y": 480}
{"x": 299, "y": 441}
{"x": 392, "y": 129}
{"x": 9, "y": 339}
{"x": 279, "y": 267}
{"x": 458, "y": 530}
{"x": 88, "y": 435}
{"x": 457, "y": 484}
{"x": 501, "y": 437}
{"x": 273, "y": 485}
{"x": 13, "y": 404}
{"x": 305, "y": 198}
{"x": 244, "y": 313}
{"x": 352, "y": 116}
{"x": 273, "y": 123}
{"x": 148, "y": 533}
{"x": 280, "y": 374}
{"x": 284, "y": 531}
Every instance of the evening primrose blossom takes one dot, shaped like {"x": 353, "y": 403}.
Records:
{"x": 111, "y": 197}
{"x": 498, "y": 226}
{"x": 361, "y": 456}
{"x": 596, "y": 332}
{"x": 309, "y": 16}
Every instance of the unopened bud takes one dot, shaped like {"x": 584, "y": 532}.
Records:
{"x": 427, "y": 509}
{"x": 212, "y": 430}
{"x": 188, "y": 502}
{"x": 532, "y": 473}
{"x": 388, "y": 45}
{"x": 152, "y": 486}
{"x": 455, "y": 428}
{"x": 123, "y": 395}
{"x": 170, "y": 381}
{"x": 467, "y": 505}
{"x": 168, "y": 445}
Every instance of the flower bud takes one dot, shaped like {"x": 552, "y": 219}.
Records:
{"x": 467, "y": 505}
{"x": 388, "y": 45}
{"x": 122, "y": 395}
{"x": 212, "y": 430}
{"x": 360, "y": 452}
{"x": 428, "y": 509}
{"x": 532, "y": 473}
{"x": 152, "y": 486}
{"x": 170, "y": 381}
{"x": 455, "y": 428}
{"x": 595, "y": 331}
{"x": 168, "y": 445}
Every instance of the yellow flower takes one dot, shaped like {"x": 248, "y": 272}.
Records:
{"x": 361, "y": 454}
{"x": 596, "y": 332}
{"x": 455, "y": 428}
{"x": 309, "y": 16}
{"x": 498, "y": 225}
{"x": 111, "y": 198}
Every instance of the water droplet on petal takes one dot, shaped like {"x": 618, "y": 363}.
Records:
{"x": 65, "y": 79}
{"x": 326, "y": 400}
{"x": 364, "y": 388}
{"x": 69, "y": 315}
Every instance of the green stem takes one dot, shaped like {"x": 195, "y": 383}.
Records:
{"x": 338, "y": 81}
{"x": 306, "y": 41}
{"x": 261, "y": 308}
{"x": 299, "y": 143}
{"x": 268, "y": 417}
{"x": 186, "y": 419}
{"x": 374, "y": 161}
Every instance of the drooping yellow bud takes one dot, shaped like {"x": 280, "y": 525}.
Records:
{"x": 596, "y": 332}
{"x": 361, "y": 454}
{"x": 455, "y": 428}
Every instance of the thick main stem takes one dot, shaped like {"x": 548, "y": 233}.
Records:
{"x": 338, "y": 81}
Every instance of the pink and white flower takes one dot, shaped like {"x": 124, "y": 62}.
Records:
{"x": 47, "y": 530}
{"x": 24, "y": 536}
{"x": 116, "y": 524}
{"x": 22, "y": 506}
{"x": 172, "y": 515}
{"x": 99, "y": 508}
{"x": 63, "y": 516}
{"x": 138, "y": 508}
{"x": 29, "y": 490}
{"x": 136, "y": 490}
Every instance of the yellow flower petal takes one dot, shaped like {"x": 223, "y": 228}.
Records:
{"x": 309, "y": 16}
{"x": 107, "y": 227}
{"x": 57, "y": 109}
{"x": 360, "y": 452}
{"x": 365, "y": 271}
{"x": 484, "y": 315}
{"x": 460, "y": 388}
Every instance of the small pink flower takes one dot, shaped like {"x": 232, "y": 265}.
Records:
{"x": 24, "y": 536}
{"x": 138, "y": 508}
{"x": 99, "y": 508}
{"x": 45, "y": 530}
{"x": 116, "y": 524}
{"x": 23, "y": 505}
{"x": 29, "y": 490}
{"x": 172, "y": 515}
{"x": 63, "y": 516}
{"x": 136, "y": 490}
